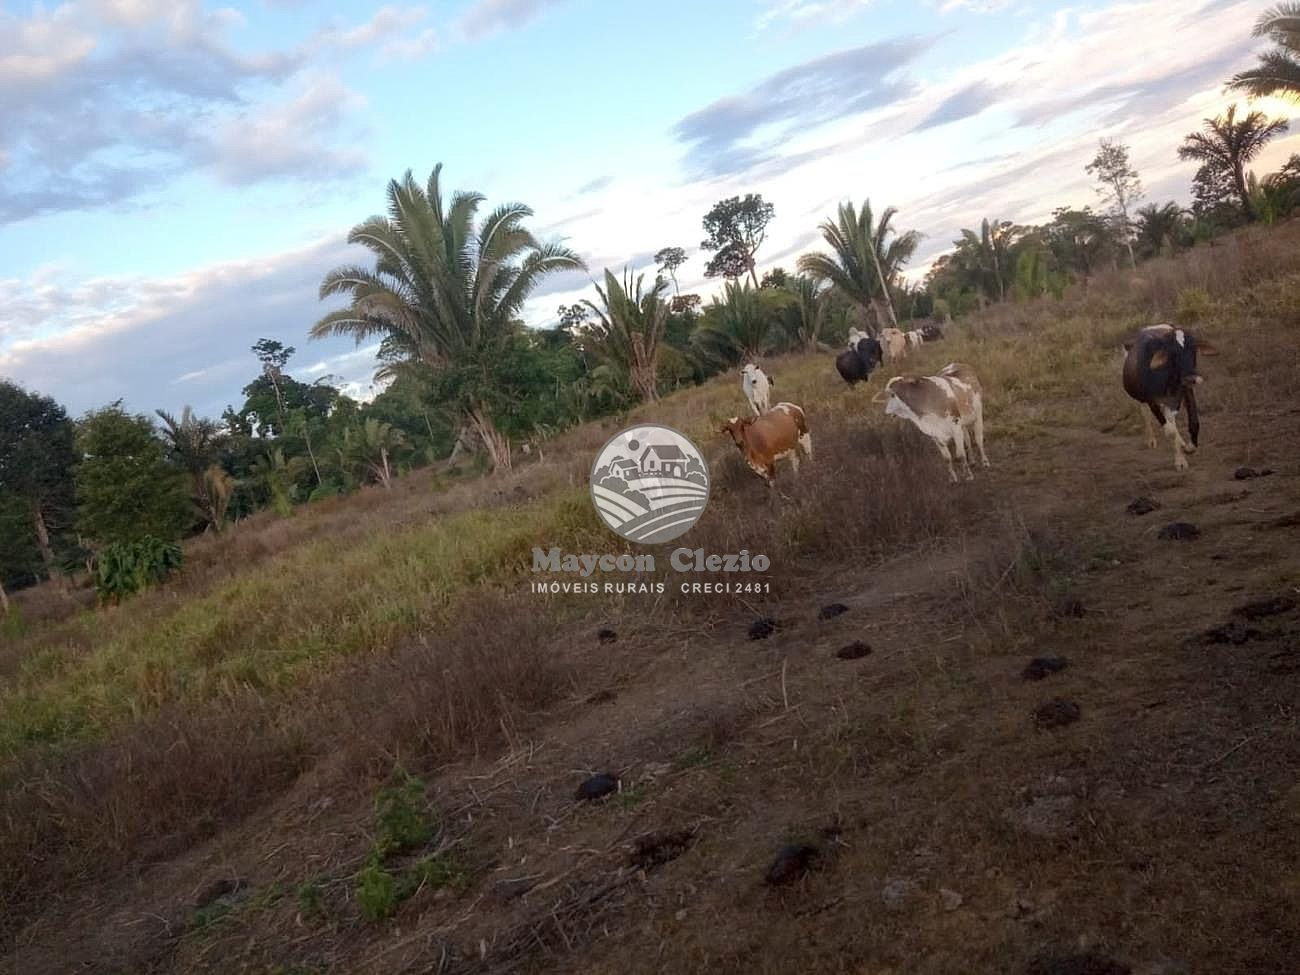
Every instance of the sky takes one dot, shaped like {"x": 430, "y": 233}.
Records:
{"x": 176, "y": 177}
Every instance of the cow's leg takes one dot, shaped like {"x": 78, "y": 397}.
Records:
{"x": 959, "y": 443}
{"x": 1171, "y": 431}
{"x": 1151, "y": 416}
{"x": 978, "y": 424}
{"x": 1193, "y": 418}
{"x": 947, "y": 455}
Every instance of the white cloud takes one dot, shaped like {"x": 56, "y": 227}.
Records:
{"x": 800, "y": 12}
{"x": 292, "y": 137}
{"x": 487, "y": 17}
{"x": 975, "y": 6}
{"x": 413, "y": 48}
{"x": 386, "y": 23}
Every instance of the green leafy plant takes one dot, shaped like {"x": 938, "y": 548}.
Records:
{"x": 125, "y": 568}
{"x": 376, "y": 891}
{"x": 401, "y": 817}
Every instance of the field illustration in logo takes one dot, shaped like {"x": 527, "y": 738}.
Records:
{"x": 649, "y": 484}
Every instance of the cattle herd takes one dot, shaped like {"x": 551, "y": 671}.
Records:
{"x": 1159, "y": 372}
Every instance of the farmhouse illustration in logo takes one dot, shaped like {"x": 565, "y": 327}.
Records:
{"x": 649, "y": 484}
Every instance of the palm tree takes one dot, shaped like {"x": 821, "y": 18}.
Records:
{"x": 1228, "y": 145}
{"x": 737, "y": 327}
{"x": 629, "y": 328}
{"x": 992, "y": 254}
{"x": 864, "y": 264}
{"x": 193, "y": 443}
{"x": 371, "y": 447}
{"x": 1278, "y": 71}
{"x": 450, "y": 290}
{"x": 812, "y": 303}
{"x": 1158, "y": 228}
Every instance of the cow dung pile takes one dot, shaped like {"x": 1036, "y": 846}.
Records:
{"x": 791, "y": 863}
{"x": 1179, "y": 531}
{"x": 1086, "y": 963}
{"x": 1040, "y": 667}
{"x": 597, "y": 787}
{"x": 854, "y": 651}
{"x": 656, "y": 849}
{"x": 1056, "y": 713}
{"x": 832, "y": 611}
{"x": 762, "y": 628}
{"x": 1246, "y": 473}
{"x": 607, "y": 636}
{"x": 1143, "y": 506}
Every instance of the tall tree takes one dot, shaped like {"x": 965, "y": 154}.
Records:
{"x": 1278, "y": 70}
{"x": 1228, "y": 144}
{"x": 452, "y": 290}
{"x": 1159, "y": 228}
{"x": 668, "y": 260}
{"x": 630, "y": 323}
{"x": 1119, "y": 185}
{"x": 812, "y": 304}
{"x": 37, "y": 456}
{"x": 194, "y": 444}
{"x": 864, "y": 262}
{"x": 736, "y": 227}
{"x": 126, "y": 489}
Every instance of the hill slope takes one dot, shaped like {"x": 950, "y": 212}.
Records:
{"x": 207, "y": 785}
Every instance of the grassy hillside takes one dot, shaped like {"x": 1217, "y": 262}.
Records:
{"x": 240, "y": 722}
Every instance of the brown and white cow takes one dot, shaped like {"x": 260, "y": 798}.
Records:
{"x": 947, "y": 408}
{"x": 779, "y": 433}
{"x": 894, "y": 341}
{"x": 1159, "y": 372}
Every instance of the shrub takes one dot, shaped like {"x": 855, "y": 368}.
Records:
{"x": 401, "y": 821}
{"x": 125, "y": 568}
{"x": 376, "y": 891}
{"x": 1193, "y": 306}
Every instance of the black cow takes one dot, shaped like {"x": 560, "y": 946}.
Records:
{"x": 1159, "y": 372}
{"x": 931, "y": 333}
{"x": 855, "y": 365}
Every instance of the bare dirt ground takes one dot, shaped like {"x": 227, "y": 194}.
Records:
{"x": 1134, "y": 810}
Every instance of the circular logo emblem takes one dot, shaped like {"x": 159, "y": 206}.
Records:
{"x": 649, "y": 484}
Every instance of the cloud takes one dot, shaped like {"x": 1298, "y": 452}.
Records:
{"x": 964, "y": 103}
{"x": 414, "y": 48}
{"x": 802, "y": 12}
{"x": 738, "y": 132}
{"x": 975, "y": 6}
{"x": 165, "y": 342}
{"x": 290, "y": 138}
{"x": 594, "y": 186}
{"x": 487, "y": 17}
{"x": 103, "y": 100}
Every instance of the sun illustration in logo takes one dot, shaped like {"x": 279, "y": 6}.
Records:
{"x": 649, "y": 484}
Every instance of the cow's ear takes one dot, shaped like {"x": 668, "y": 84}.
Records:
{"x": 1159, "y": 360}
{"x": 1205, "y": 348}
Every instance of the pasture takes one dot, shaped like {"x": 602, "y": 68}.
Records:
{"x": 1008, "y": 725}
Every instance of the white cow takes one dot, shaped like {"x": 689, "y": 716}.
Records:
{"x": 947, "y": 408}
{"x": 757, "y": 387}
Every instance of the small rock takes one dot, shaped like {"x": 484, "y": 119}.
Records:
{"x": 791, "y": 863}
{"x": 1260, "y": 608}
{"x": 854, "y": 651}
{"x": 1040, "y": 667}
{"x": 680, "y": 915}
{"x": 607, "y": 636}
{"x": 762, "y": 628}
{"x": 1246, "y": 473}
{"x": 1086, "y": 963}
{"x": 950, "y": 899}
{"x": 1142, "y": 506}
{"x": 1179, "y": 531}
{"x": 597, "y": 787}
{"x": 896, "y": 893}
{"x": 832, "y": 611}
{"x": 1056, "y": 713}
